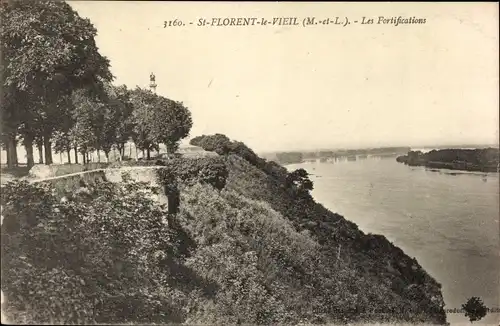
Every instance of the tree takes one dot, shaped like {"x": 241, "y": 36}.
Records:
{"x": 62, "y": 143}
{"x": 62, "y": 139}
{"x": 474, "y": 309}
{"x": 108, "y": 117}
{"x": 10, "y": 121}
{"x": 85, "y": 114}
{"x": 217, "y": 143}
{"x": 300, "y": 179}
{"x": 158, "y": 120}
{"x": 48, "y": 51}
{"x": 171, "y": 122}
{"x": 144, "y": 103}
{"x": 125, "y": 125}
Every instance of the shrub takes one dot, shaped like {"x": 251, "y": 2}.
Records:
{"x": 187, "y": 172}
{"x": 222, "y": 145}
{"x": 108, "y": 259}
{"x": 474, "y": 309}
{"x": 218, "y": 143}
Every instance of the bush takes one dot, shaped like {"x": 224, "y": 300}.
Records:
{"x": 474, "y": 309}
{"x": 109, "y": 256}
{"x": 213, "y": 143}
{"x": 222, "y": 145}
{"x": 188, "y": 172}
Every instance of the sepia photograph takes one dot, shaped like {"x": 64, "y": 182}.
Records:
{"x": 257, "y": 163}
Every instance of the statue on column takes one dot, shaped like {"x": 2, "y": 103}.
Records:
{"x": 152, "y": 77}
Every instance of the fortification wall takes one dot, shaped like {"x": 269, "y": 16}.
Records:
{"x": 71, "y": 182}
{"x": 42, "y": 171}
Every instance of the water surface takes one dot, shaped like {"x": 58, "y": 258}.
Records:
{"x": 447, "y": 220}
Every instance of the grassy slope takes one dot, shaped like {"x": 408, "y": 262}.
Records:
{"x": 333, "y": 271}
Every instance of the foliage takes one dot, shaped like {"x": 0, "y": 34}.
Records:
{"x": 222, "y": 145}
{"x": 89, "y": 118}
{"x": 56, "y": 89}
{"x": 105, "y": 255}
{"x": 300, "y": 179}
{"x": 172, "y": 122}
{"x": 62, "y": 142}
{"x": 245, "y": 249}
{"x": 481, "y": 159}
{"x": 217, "y": 143}
{"x": 374, "y": 269}
{"x": 210, "y": 171}
{"x": 48, "y": 51}
{"x": 158, "y": 120}
{"x": 474, "y": 309}
{"x": 124, "y": 127}
{"x": 143, "y": 102}
{"x": 59, "y": 43}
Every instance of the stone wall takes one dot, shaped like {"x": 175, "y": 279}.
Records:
{"x": 42, "y": 171}
{"x": 71, "y": 182}
{"x": 137, "y": 173}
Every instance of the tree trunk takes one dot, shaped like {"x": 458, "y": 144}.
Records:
{"x": 76, "y": 154}
{"x": 39, "y": 145}
{"x": 12, "y": 151}
{"x": 7, "y": 151}
{"x": 68, "y": 151}
{"x": 28, "y": 144}
{"x": 47, "y": 146}
{"x": 60, "y": 158}
{"x": 171, "y": 147}
{"x": 83, "y": 159}
{"x": 148, "y": 153}
{"x": 98, "y": 156}
{"x": 107, "y": 156}
{"x": 9, "y": 158}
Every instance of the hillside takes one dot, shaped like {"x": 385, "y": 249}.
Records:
{"x": 244, "y": 247}
{"x": 369, "y": 269}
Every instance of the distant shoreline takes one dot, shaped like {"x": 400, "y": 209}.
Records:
{"x": 472, "y": 160}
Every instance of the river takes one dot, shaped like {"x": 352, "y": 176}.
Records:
{"x": 447, "y": 220}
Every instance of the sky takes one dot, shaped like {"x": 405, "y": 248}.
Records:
{"x": 322, "y": 86}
